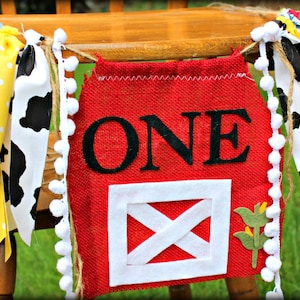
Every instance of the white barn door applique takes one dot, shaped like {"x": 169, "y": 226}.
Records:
{"x": 135, "y": 200}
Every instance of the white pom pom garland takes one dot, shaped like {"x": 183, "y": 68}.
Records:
{"x": 271, "y": 32}
{"x": 61, "y": 146}
{"x": 60, "y": 36}
{"x": 277, "y": 141}
{"x": 273, "y": 295}
{"x": 274, "y": 175}
{"x": 71, "y": 63}
{"x": 71, "y": 127}
{"x": 261, "y": 63}
{"x": 73, "y": 106}
{"x": 276, "y": 121}
{"x": 271, "y": 229}
{"x": 267, "y": 275}
{"x": 57, "y": 186}
{"x": 66, "y": 283}
{"x": 267, "y": 83}
{"x": 59, "y": 166}
{"x": 257, "y": 34}
{"x": 62, "y": 229}
{"x": 68, "y": 106}
{"x": 57, "y": 208}
{"x": 273, "y": 211}
{"x": 273, "y": 263}
{"x": 274, "y": 157}
{"x": 63, "y": 248}
{"x": 273, "y": 104}
{"x": 63, "y": 265}
{"x": 71, "y": 85}
{"x": 271, "y": 246}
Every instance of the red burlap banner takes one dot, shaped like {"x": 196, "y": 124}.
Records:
{"x": 167, "y": 174}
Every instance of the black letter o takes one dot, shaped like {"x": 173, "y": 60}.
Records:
{"x": 88, "y": 145}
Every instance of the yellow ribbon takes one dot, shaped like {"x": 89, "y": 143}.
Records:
{"x": 290, "y": 26}
{"x": 9, "y": 50}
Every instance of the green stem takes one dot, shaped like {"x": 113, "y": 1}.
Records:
{"x": 254, "y": 258}
{"x": 256, "y": 236}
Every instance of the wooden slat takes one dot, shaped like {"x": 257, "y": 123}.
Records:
{"x": 8, "y": 7}
{"x": 151, "y": 35}
{"x": 63, "y": 6}
{"x": 177, "y": 4}
{"x": 116, "y": 5}
{"x": 8, "y": 271}
{"x": 242, "y": 288}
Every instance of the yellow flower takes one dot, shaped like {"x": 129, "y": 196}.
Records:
{"x": 248, "y": 231}
{"x": 263, "y": 207}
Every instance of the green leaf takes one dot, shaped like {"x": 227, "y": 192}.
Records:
{"x": 252, "y": 219}
{"x": 246, "y": 214}
{"x": 246, "y": 239}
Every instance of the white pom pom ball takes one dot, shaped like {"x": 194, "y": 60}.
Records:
{"x": 271, "y": 229}
{"x": 273, "y": 175}
{"x": 273, "y": 263}
{"x": 277, "y": 141}
{"x": 261, "y": 63}
{"x": 71, "y": 63}
{"x": 275, "y": 192}
{"x": 267, "y": 83}
{"x": 257, "y": 34}
{"x": 60, "y": 35}
{"x": 63, "y": 265}
{"x": 59, "y": 166}
{"x": 276, "y": 121}
{"x": 66, "y": 282}
{"x": 61, "y": 146}
{"x": 272, "y": 104}
{"x": 62, "y": 230}
{"x": 56, "y": 186}
{"x": 63, "y": 248}
{"x": 273, "y": 211}
{"x": 274, "y": 157}
{"x": 73, "y": 106}
{"x": 71, "y": 85}
{"x": 71, "y": 127}
{"x": 267, "y": 275}
{"x": 271, "y": 295}
{"x": 270, "y": 246}
{"x": 57, "y": 207}
{"x": 271, "y": 28}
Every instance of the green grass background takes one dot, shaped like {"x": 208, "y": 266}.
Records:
{"x": 37, "y": 277}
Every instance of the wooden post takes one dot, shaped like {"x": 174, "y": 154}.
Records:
{"x": 242, "y": 288}
{"x": 8, "y": 271}
{"x": 180, "y": 292}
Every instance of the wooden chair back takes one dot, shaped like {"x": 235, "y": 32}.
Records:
{"x": 176, "y": 33}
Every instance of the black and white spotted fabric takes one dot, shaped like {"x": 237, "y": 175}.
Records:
{"x": 26, "y": 146}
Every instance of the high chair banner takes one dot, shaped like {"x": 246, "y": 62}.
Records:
{"x": 167, "y": 174}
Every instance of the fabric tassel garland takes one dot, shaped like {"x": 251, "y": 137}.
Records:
{"x": 31, "y": 114}
{"x": 9, "y": 50}
{"x": 290, "y": 41}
